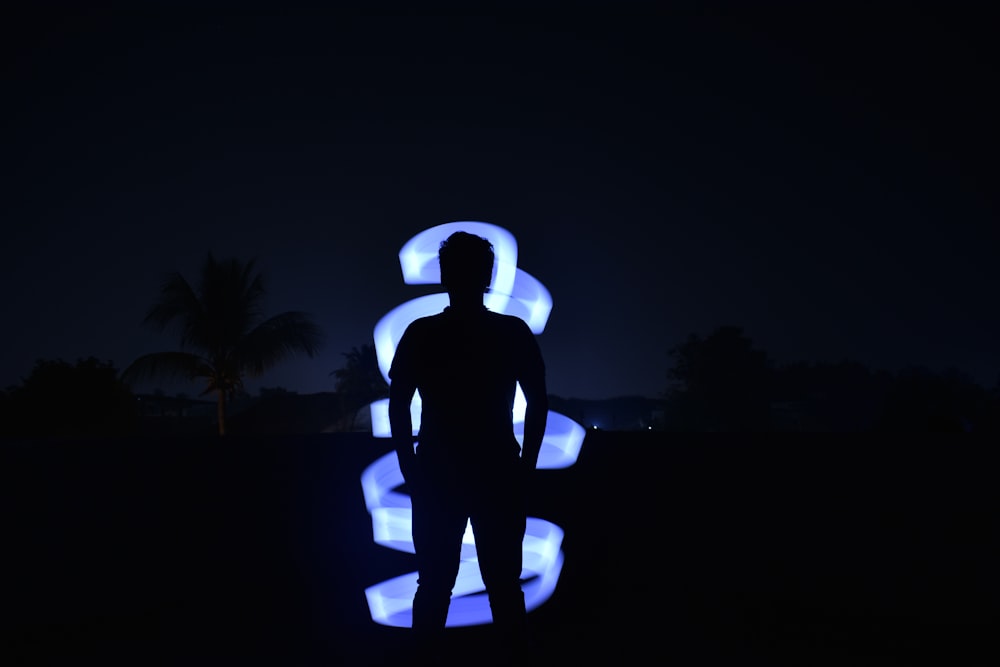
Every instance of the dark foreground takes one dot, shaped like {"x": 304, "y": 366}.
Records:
{"x": 679, "y": 549}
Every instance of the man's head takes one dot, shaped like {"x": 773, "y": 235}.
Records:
{"x": 466, "y": 263}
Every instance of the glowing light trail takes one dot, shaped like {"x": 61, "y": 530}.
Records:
{"x": 513, "y": 292}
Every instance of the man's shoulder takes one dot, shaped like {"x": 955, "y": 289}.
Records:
{"x": 425, "y": 322}
{"x": 512, "y": 328}
{"x": 503, "y": 319}
{"x": 429, "y": 325}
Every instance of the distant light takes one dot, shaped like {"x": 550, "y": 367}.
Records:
{"x": 512, "y": 292}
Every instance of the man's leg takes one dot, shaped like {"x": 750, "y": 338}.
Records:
{"x": 498, "y": 522}
{"x": 438, "y": 526}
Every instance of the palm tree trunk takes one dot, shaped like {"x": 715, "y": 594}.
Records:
{"x": 221, "y": 411}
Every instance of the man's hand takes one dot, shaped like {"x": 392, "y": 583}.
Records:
{"x": 409, "y": 466}
{"x": 401, "y": 426}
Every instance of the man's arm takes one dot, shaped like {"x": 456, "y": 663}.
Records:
{"x": 536, "y": 413}
{"x": 400, "y": 397}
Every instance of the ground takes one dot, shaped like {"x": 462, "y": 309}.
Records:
{"x": 679, "y": 549}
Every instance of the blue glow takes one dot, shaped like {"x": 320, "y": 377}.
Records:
{"x": 391, "y": 601}
{"x": 513, "y": 292}
{"x": 419, "y": 256}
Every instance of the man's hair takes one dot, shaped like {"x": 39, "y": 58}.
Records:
{"x": 466, "y": 261}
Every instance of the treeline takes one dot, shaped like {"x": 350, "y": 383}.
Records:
{"x": 90, "y": 398}
{"x": 722, "y": 382}
{"x": 59, "y": 398}
{"x": 719, "y": 382}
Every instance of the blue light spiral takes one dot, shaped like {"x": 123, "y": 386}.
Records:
{"x": 513, "y": 292}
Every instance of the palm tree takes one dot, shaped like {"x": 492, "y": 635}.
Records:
{"x": 223, "y": 335}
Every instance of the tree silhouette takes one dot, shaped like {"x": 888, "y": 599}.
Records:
{"x": 721, "y": 382}
{"x": 921, "y": 401}
{"x": 63, "y": 399}
{"x": 829, "y": 397}
{"x": 222, "y": 334}
{"x": 359, "y": 381}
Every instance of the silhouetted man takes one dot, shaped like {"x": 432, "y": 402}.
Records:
{"x": 466, "y": 362}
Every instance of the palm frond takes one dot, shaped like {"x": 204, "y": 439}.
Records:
{"x": 166, "y": 366}
{"x": 178, "y": 303}
{"x": 221, "y": 321}
{"x": 278, "y": 338}
{"x": 231, "y": 295}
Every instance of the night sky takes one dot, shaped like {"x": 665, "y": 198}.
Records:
{"x": 821, "y": 174}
